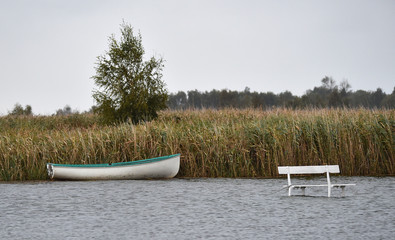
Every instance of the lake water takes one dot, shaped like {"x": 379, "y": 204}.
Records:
{"x": 197, "y": 209}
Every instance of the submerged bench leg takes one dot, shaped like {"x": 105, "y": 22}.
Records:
{"x": 342, "y": 187}
{"x": 290, "y": 190}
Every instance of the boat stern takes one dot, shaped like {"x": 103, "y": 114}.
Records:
{"x": 50, "y": 170}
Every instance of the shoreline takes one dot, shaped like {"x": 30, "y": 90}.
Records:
{"x": 189, "y": 178}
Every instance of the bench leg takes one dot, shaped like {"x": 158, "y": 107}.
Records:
{"x": 342, "y": 187}
{"x": 329, "y": 182}
{"x": 303, "y": 191}
{"x": 290, "y": 190}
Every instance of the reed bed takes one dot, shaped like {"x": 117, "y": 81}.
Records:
{"x": 213, "y": 143}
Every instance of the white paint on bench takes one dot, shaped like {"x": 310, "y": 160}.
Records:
{"x": 309, "y": 169}
{"x": 312, "y": 170}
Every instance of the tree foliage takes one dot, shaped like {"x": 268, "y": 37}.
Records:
{"x": 66, "y": 111}
{"x": 20, "y": 111}
{"x": 129, "y": 87}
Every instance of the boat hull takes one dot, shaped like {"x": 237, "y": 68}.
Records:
{"x": 155, "y": 168}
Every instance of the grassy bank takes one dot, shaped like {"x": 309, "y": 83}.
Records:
{"x": 223, "y": 143}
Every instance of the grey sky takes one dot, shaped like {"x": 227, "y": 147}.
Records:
{"x": 48, "y": 48}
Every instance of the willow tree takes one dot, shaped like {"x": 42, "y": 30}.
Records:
{"x": 129, "y": 87}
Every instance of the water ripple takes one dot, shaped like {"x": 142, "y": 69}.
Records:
{"x": 196, "y": 209}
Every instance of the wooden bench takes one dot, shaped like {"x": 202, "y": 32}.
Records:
{"x": 312, "y": 170}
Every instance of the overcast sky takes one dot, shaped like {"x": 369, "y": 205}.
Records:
{"x": 48, "y": 48}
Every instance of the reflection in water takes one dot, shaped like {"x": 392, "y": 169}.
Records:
{"x": 196, "y": 208}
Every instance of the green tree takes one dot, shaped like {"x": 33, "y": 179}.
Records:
{"x": 377, "y": 97}
{"x": 178, "y": 101}
{"x": 389, "y": 100}
{"x": 19, "y": 111}
{"x": 129, "y": 87}
{"x": 65, "y": 111}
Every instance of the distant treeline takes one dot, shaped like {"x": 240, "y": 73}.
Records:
{"x": 328, "y": 95}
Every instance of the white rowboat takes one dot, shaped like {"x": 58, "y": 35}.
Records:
{"x": 154, "y": 168}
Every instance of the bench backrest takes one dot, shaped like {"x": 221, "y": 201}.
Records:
{"x": 308, "y": 169}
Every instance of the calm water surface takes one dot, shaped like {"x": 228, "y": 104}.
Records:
{"x": 196, "y": 209}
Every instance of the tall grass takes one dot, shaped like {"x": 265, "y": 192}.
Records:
{"x": 212, "y": 143}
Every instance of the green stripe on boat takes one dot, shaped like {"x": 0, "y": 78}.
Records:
{"x": 118, "y": 164}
